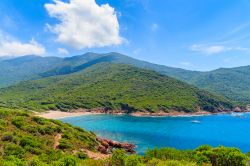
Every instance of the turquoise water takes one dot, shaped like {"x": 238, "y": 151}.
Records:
{"x": 177, "y": 132}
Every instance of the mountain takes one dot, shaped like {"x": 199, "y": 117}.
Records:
{"x": 24, "y": 68}
{"x": 233, "y": 83}
{"x": 112, "y": 87}
{"x": 80, "y": 62}
{"x": 32, "y": 67}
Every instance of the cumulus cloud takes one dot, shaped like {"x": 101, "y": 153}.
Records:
{"x": 84, "y": 24}
{"x": 12, "y": 47}
{"x": 62, "y": 51}
{"x": 215, "y": 49}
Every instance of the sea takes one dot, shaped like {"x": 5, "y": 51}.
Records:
{"x": 182, "y": 132}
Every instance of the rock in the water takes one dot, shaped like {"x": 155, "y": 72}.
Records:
{"x": 107, "y": 145}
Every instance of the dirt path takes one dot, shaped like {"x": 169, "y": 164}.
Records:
{"x": 57, "y": 140}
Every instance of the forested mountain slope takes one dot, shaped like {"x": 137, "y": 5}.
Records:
{"x": 233, "y": 83}
{"x": 24, "y": 68}
{"x": 111, "y": 86}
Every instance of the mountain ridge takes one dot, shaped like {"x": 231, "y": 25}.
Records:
{"x": 229, "y": 82}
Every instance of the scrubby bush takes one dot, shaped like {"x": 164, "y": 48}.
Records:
{"x": 65, "y": 144}
{"x": 7, "y": 137}
{"x": 14, "y": 150}
{"x": 82, "y": 155}
{"x": 169, "y": 153}
{"x": 18, "y": 121}
{"x": 133, "y": 160}
{"x": 29, "y": 141}
{"x": 118, "y": 157}
{"x": 220, "y": 156}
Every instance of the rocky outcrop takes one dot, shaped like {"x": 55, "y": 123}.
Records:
{"x": 239, "y": 109}
{"x": 106, "y": 146}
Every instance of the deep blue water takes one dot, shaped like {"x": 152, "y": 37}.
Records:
{"x": 177, "y": 132}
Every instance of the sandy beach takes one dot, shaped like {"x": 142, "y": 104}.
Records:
{"x": 60, "y": 114}
{"x": 80, "y": 112}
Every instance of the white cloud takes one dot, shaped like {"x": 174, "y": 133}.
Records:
{"x": 62, "y": 51}
{"x": 12, "y": 47}
{"x": 84, "y": 24}
{"x": 215, "y": 49}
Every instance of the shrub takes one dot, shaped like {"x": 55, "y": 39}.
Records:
{"x": 220, "y": 156}
{"x": 12, "y": 161}
{"x": 118, "y": 157}
{"x": 36, "y": 162}
{"x": 39, "y": 120}
{"x": 30, "y": 128}
{"x": 170, "y": 153}
{"x": 64, "y": 144}
{"x": 14, "y": 150}
{"x": 29, "y": 141}
{"x": 7, "y": 137}
{"x": 18, "y": 121}
{"x": 69, "y": 161}
{"x": 82, "y": 155}
{"x": 132, "y": 160}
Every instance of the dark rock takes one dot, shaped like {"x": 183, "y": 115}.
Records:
{"x": 107, "y": 146}
{"x": 102, "y": 149}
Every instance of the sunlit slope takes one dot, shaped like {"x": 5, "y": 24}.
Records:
{"x": 112, "y": 87}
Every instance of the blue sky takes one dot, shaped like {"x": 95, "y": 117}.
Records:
{"x": 193, "y": 34}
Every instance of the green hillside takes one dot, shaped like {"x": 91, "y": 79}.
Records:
{"x": 113, "y": 87}
{"x": 27, "y": 140}
{"x": 234, "y": 83}
{"x": 80, "y": 62}
{"x": 33, "y": 67}
{"x": 24, "y": 68}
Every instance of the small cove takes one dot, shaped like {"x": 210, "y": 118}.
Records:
{"x": 178, "y": 132}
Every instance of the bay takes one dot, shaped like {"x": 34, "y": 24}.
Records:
{"x": 231, "y": 130}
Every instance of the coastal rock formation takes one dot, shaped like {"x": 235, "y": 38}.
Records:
{"x": 239, "y": 109}
{"x": 107, "y": 145}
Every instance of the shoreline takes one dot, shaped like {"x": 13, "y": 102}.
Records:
{"x": 60, "y": 115}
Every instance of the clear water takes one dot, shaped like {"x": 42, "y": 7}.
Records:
{"x": 177, "y": 132}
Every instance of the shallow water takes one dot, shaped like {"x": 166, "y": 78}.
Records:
{"x": 177, "y": 132}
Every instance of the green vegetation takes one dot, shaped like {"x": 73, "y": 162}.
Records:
{"x": 26, "y": 140}
{"x": 112, "y": 87}
{"x": 86, "y": 82}
{"x": 233, "y": 83}
{"x": 24, "y": 68}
